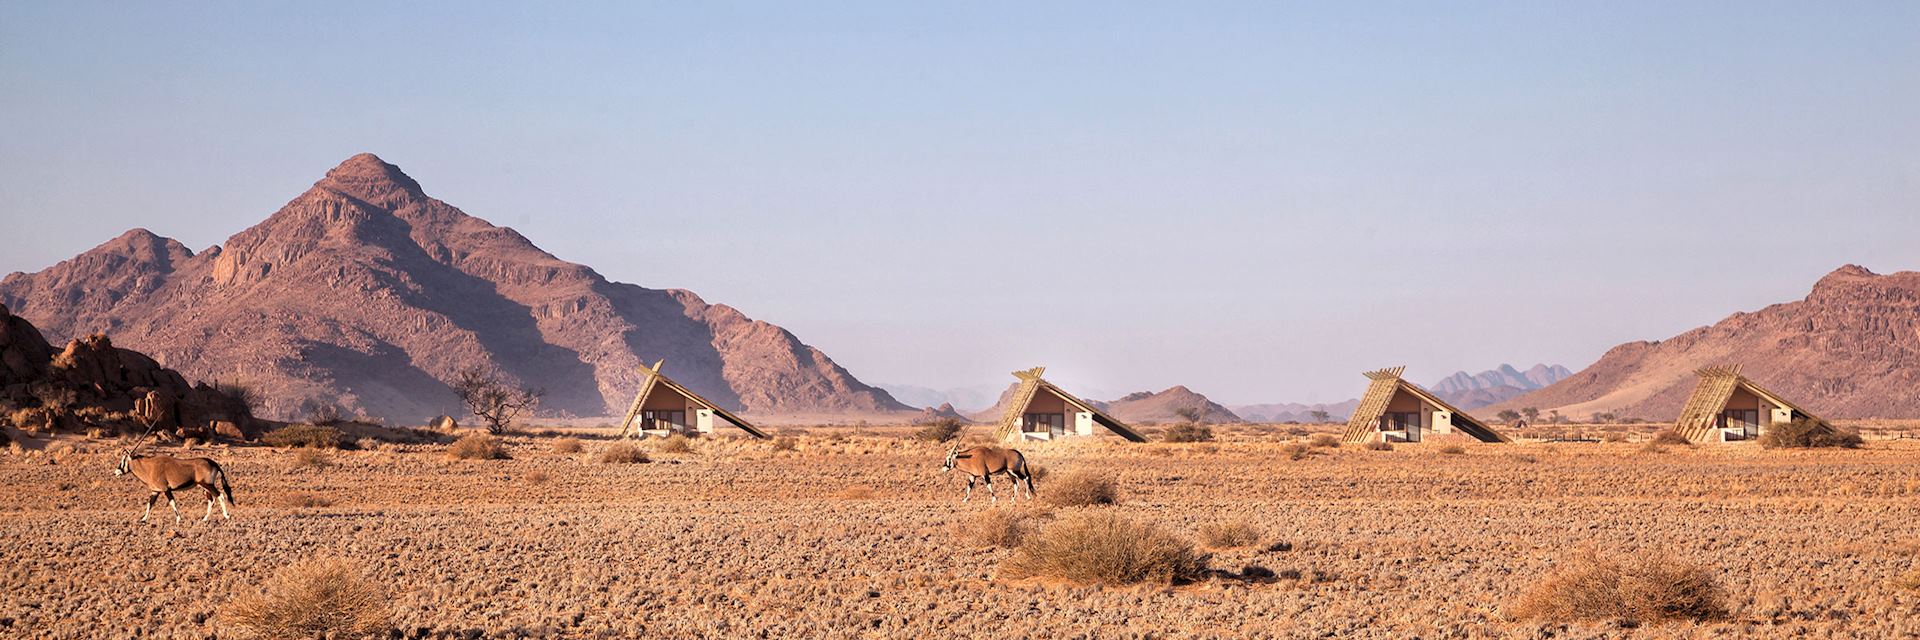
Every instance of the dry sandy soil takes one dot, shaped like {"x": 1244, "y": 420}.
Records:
{"x": 851, "y": 536}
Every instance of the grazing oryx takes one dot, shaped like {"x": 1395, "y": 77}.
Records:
{"x": 163, "y": 474}
{"x": 981, "y": 463}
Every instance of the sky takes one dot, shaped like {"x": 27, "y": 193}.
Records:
{"x": 1257, "y": 200}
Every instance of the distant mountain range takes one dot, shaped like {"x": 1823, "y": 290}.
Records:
{"x": 1467, "y": 391}
{"x": 1850, "y": 349}
{"x": 365, "y": 292}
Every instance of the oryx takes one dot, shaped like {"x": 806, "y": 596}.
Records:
{"x": 981, "y": 463}
{"x": 163, "y": 474}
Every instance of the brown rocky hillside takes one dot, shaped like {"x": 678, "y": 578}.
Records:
{"x": 1166, "y": 406}
{"x": 1850, "y": 349}
{"x": 364, "y": 291}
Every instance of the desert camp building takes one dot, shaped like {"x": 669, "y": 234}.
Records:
{"x": 1394, "y": 410}
{"x": 1039, "y": 410}
{"x": 663, "y": 407}
{"x": 1726, "y": 406}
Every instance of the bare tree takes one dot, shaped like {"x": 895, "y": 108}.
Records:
{"x": 1190, "y": 414}
{"x": 493, "y": 401}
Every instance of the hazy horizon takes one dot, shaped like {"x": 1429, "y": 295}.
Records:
{"x": 1256, "y": 202}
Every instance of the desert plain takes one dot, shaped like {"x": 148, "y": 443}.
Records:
{"x": 854, "y": 533}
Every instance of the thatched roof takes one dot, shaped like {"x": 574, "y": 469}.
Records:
{"x": 1701, "y": 415}
{"x": 1031, "y": 384}
{"x": 1386, "y": 384}
{"x": 654, "y": 378}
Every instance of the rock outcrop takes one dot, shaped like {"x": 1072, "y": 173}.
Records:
{"x": 364, "y": 292}
{"x": 93, "y": 384}
{"x": 1170, "y": 405}
{"x": 1850, "y": 349}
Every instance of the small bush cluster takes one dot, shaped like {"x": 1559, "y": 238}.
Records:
{"x": 568, "y": 445}
{"x": 1671, "y": 437}
{"x": 1299, "y": 451}
{"x": 477, "y": 446}
{"x": 1378, "y": 445}
{"x": 1638, "y": 588}
{"x": 623, "y": 453}
{"x": 310, "y": 458}
{"x": 1325, "y": 440}
{"x": 1105, "y": 547}
{"x": 1231, "y": 534}
{"x": 940, "y": 430}
{"x": 306, "y": 435}
{"x": 313, "y": 598}
{"x": 1082, "y": 489}
{"x": 785, "y": 443}
{"x": 675, "y": 443}
{"x": 1807, "y": 433}
{"x": 1453, "y": 450}
{"x": 1188, "y": 432}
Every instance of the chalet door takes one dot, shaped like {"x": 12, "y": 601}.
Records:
{"x": 1746, "y": 421}
{"x": 1404, "y": 422}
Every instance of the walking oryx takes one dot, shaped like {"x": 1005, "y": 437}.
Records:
{"x": 981, "y": 463}
{"x": 163, "y": 474}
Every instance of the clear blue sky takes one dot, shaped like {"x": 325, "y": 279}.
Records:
{"x": 1256, "y": 200}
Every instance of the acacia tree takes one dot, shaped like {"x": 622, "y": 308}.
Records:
{"x": 1532, "y": 413}
{"x": 492, "y": 400}
{"x": 1320, "y": 416}
{"x": 1190, "y": 414}
{"x": 1508, "y": 416}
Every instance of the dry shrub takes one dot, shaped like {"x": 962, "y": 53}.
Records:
{"x": 940, "y": 430}
{"x": 536, "y": 477}
{"x": 1613, "y": 436}
{"x": 1453, "y": 450}
{"x": 784, "y": 443}
{"x": 1187, "y": 432}
{"x": 1639, "y": 588}
{"x": 308, "y": 501}
{"x": 675, "y": 443}
{"x": 1671, "y": 437}
{"x": 306, "y": 435}
{"x": 623, "y": 453}
{"x": 1082, "y": 489}
{"x": 1325, "y": 440}
{"x": 568, "y": 445}
{"x": 1105, "y": 547}
{"x": 1807, "y": 433}
{"x": 1299, "y": 451}
{"x": 994, "y": 528}
{"x": 310, "y": 458}
{"x": 312, "y": 598}
{"x": 1909, "y": 580}
{"x": 1378, "y": 445}
{"x": 1229, "y": 535}
{"x": 477, "y": 446}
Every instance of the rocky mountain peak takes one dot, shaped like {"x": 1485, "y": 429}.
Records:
{"x": 367, "y": 177}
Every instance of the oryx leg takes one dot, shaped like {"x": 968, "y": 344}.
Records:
{"x": 969, "y": 497}
{"x": 223, "y": 508}
{"x": 176, "y": 507}
{"x": 210, "y": 496}
{"x": 990, "y": 492}
{"x": 150, "y": 498}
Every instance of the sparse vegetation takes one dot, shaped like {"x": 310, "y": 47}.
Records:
{"x": 1325, "y": 441}
{"x": 313, "y": 598}
{"x": 306, "y": 435}
{"x": 785, "y": 443}
{"x": 1909, "y": 581}
{"x": 940, "y": 430}
{"x": 492, "y": 400}
{"x": 1452, "y": 450}
{"x": 1639, "y": 587}
{"x": 1081, "y": 489}
{"x": 477, "y": 446}
{"x": 1299, "y": 451}
{"x": 623, "y": 453}
{"x": 1187, "y": 432}
{"x": 1378, "y": 445}
{"x": 1672, "y": 438}
{"x": 1108, "y": 548}
{"x": 310, "y": 458}
{"x": 675, "y": 443}
{"x": 1231, "y": 534}
{"x": 1808, "y": 433}
{"x": 568, "y": 445}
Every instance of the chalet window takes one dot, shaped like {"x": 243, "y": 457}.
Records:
{"x": 1043, "y": 423}
{"x": 659, "y": 419}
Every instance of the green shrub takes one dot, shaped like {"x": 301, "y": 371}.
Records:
{"x": 1807, "y": 433}
{"x": 1187, "y": 432}
{"x": 306, "y": 435}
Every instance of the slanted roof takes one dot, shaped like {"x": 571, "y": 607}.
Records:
{"x": 1031, "y": 384}
{"x": 1717, "y": 384}
{"x": 654, "y": 378}
{"x": 1386, "y": 384}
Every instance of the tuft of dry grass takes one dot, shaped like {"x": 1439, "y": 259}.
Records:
{"x": 308, "y": 501}
{"x": 305, "y": 435}
{"x": 675, "y": 443}
{"x": 1453, "y": 450}
{"x": 1639, "y": 588}
{"x": 1325, "y": 441}
{"x": 994, "y": 528}
{"x": 1909, "y": 580}
{"x": 312, "y": 598}
{"x": 1187, "y": 432}
{"x": 1108, "y": 548}
{"x": 1081, "y": 489}
{"x": 855, "y": 493}
{"x": 1299, "y": 451}
{"x": 310, "y": 458}
{"x": 623, "y": 453}
{"x": 477, "y": 446}
{"x": 1377, "y": 445}
{"x": 1671, "y": 437}
{"x": 536, "y": 477}
{"x": 568, "y": 445}
{"x": 1231, "y": 534}
{"x": 784, "y": 443}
